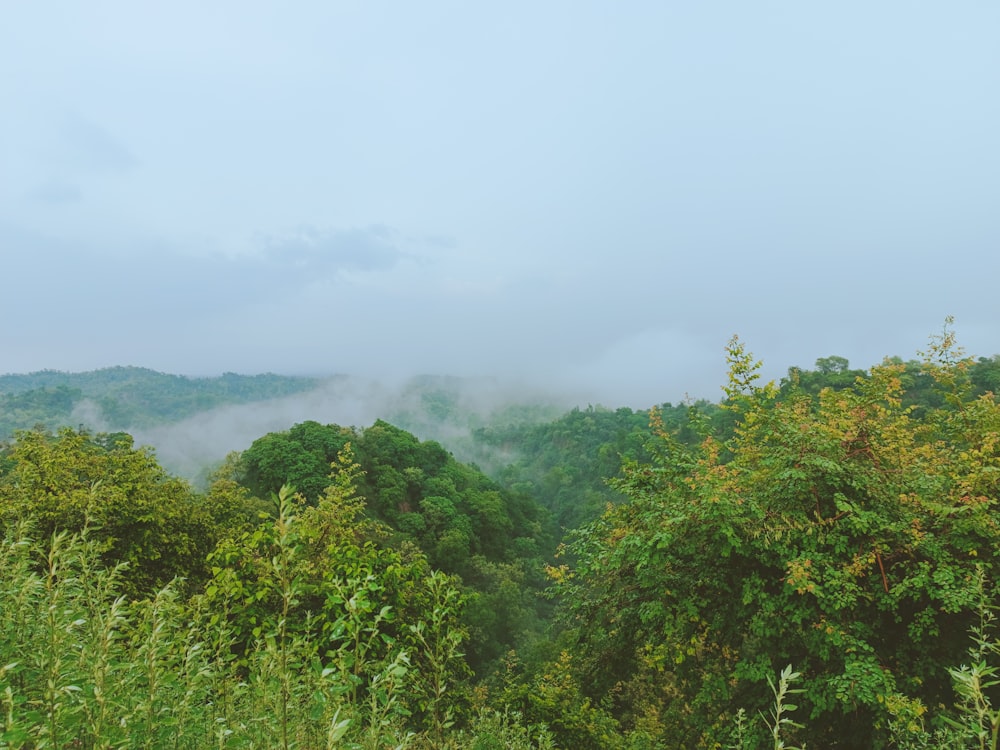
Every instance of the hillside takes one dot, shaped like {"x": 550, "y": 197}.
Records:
{"x": 832, "y": 536}
{"x": 120, "y": 398}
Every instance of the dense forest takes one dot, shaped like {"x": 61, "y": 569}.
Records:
{"x": 128, "y": 397}
{"x": 805, "y": 563}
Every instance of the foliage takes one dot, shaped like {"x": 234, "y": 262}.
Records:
{"x": 322, "y": 571}
{"x": 552, "y": 696}
{"x": 566, "y": 463}
{"x": 83, "y": 664}
{"x": 127, "y": 397}
{"x": 307, "y": 636}
{"x": 976, "y": 682}
{"x": 778, "y": 720}
{"x": 46, "y": 407}
{"x": 834, "y": 531}
{"x": 502, "y": 730}
{"x": 466, "y": 524}
{"x": 843, "y": 521}
{"x": 141, "y": 515}
{"x": 299, "y": 457}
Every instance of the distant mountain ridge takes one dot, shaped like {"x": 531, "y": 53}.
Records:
{"x": 193, "y": 422}
{"x": 97, "y": 381}
{"x": 118, "y": 398}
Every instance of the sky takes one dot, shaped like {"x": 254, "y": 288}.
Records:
{"x": 595, "y": 195}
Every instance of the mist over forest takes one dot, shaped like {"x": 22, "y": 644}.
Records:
{"x": 188, "y": 445}
{"x": 500, "y": 376}
{"x": 510, "y": 563}
{"x": 191, "y": 434}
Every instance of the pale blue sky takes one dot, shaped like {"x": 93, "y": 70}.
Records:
{"x": 592, "y": 193}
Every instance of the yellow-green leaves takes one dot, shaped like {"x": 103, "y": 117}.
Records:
{"x": 838, "y": 529}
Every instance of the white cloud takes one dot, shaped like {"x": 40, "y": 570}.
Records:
{"x": 537, "y": 190}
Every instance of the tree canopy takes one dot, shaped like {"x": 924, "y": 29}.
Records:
{"x": 824, "y": 548}
{"x": 833, "y": 531}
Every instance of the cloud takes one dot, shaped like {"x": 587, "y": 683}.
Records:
{"x": 89, "y": 147}
{"x": 311, "y": 250}
{"x": 282, "y": 192}
{"x": 187, "y": 311}
{"x": 188, "y": 446}
{"x": 56, "y": 192}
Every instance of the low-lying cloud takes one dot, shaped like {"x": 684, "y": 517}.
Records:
{"x": 189, "y": 446}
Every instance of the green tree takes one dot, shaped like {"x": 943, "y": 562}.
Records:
{"x": 323, "y": 573}
{"x": 832, "y": 365}
{"x": 831, "y": 531}
{"x": 144, "y": 517}
{"x": 299, "y": 457}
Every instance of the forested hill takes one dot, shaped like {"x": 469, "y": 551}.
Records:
{"x": 193, "y": 423}
{"x": 120, "y": 398}
{"x": 832, "y": 537}
{"x": 494, "y": 538}
{"x": 566, "y": 463}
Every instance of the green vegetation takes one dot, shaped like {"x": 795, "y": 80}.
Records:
{"x": 565, "y": 463}
{"x": 305, "y": 632}
{"x": 466, "y": 524}
{"x": 834, "y": 531}
{"x": 812, "y": 563}
{"x": 127, "y": 397}
{"x": 137, "y": 514}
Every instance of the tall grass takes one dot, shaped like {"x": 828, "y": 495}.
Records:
{"x": 82, "y": 666}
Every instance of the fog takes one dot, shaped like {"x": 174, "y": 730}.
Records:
{"x": 193, "y": 446}
{"x": 577, "y": 196}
